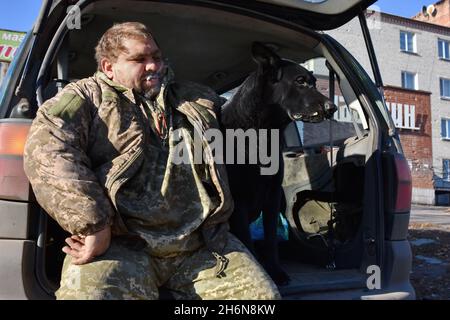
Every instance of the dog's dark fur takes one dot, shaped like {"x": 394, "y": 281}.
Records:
{"x": 277, "y": 93}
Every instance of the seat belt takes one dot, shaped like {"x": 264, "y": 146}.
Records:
{"x": 330, "y": 232}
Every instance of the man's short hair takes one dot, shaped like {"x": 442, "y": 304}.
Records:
{"x": 111, "y": 45}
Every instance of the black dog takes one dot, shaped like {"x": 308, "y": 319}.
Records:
{"x": 279, "y": 92}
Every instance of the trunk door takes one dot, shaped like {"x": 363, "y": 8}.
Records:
{"x": 314, "y": 14}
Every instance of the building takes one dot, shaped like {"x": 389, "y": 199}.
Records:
{"x": 438, "y": 13}
{"x": 414, "y": 60}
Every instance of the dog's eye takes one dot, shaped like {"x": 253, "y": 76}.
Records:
{"x": 301, "y": 81}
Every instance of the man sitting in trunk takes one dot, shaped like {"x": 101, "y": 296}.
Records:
{"x": 99, "y": 157}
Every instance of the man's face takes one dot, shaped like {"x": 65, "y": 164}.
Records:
{"x": 142, "y": 58}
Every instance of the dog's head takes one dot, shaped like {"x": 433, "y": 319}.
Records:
{"x": 292, "y": 87}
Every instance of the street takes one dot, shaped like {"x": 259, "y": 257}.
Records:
{"x": 431, "y": 214}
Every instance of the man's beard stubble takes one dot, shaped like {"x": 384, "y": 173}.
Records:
{"x": 153, "y": 91}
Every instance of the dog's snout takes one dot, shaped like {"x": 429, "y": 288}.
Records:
{"x": 329, "y": 108}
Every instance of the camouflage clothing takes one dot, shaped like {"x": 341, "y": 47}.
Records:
{"x": 93, "y": 160}
{"x": 126, "y": 273}
{"x": 91, "y": 157}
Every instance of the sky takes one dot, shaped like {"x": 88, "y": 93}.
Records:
{"x": 404, "y": 8}
{"x": 19, "y": 15}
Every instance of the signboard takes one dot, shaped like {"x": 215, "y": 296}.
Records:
{"x": 9, "y": 42}
{"x": 403, "y": 115}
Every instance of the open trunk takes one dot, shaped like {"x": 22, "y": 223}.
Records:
{"x": 332, "y": 169}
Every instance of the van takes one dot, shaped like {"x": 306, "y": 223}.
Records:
{"x": 347, "y": 184}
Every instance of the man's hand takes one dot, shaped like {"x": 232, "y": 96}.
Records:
{"x": 85, "y": 249}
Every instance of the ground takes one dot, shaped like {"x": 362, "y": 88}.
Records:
{"x": 430, "y": 244}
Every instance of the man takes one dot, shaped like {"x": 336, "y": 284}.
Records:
{"x": 100, "y": 156}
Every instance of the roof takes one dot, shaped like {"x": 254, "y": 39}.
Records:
{"x": 407, "y": 22}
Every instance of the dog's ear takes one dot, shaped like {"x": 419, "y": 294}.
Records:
{"x": 267, "y": 60}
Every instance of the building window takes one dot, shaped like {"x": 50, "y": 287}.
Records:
{"x": 446, "y": 169}
{"x": 445, "y": 88}
{"x": 409, "y": 80}
{"x": 445, "y": 129}
{"x": 407, "y": 41}
{"x": 444, "y": 49}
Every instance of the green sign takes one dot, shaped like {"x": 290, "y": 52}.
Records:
{"x": 9, "y": 42}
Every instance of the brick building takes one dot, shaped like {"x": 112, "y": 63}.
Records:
{"x": 439, "y": 13}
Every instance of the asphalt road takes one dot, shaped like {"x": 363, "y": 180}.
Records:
{"x": 431, "y": 214}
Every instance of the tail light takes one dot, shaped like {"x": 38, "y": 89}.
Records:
{"x": 404, "y": 184}
{"x": 397, "y": 183}
{"x": 14, "y": 184}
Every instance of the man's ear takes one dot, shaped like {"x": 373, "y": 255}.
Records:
{"x": 267, "y": 60}
{"x": 107, "y": 68}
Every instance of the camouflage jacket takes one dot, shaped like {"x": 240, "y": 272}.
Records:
{"x": 92, "y": 138}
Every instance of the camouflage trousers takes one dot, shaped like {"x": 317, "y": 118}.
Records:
{"x": 126, "y": 273}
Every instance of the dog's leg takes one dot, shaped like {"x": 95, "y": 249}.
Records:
{"x": 271, "y": 211}
{"x": 271, "y": 257}
{"x": 240, "y": 225}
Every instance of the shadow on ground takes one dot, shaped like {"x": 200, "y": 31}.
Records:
{"x": 430, "y": 246}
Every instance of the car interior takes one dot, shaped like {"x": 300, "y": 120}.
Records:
{"x": 325, "y": 163}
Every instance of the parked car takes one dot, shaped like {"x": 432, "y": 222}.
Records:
{"x": 347, "y": 184}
